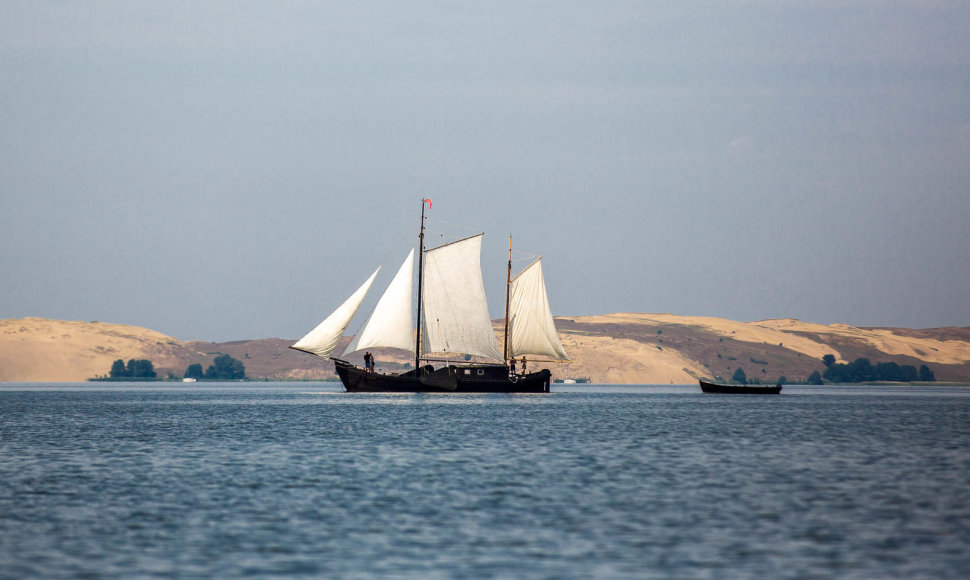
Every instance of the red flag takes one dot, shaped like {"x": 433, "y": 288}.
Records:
{"x": 429, "y": 203}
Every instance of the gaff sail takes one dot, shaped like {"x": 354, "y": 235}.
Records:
{"x": 531, "y": 327}
{"x": 455, "y": 311}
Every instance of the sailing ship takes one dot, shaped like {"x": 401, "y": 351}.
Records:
{"x": 707, "y": 387}
{"x": 451, "y": 322}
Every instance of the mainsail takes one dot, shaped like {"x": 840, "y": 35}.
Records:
{"x": 323, "y": 339}
{"x": 531, "y": 328}
{"x": 390, "y": 324}
{"x": 455, "y": 312}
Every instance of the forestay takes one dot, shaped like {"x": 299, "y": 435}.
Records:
{"x": 455, "y": 311}
{"x": 391, "y": 324}
{"x": 323, "y": 339}
{"x": 531, "y": 328}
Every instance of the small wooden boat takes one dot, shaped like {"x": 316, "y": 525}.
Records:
{"x": 740, "y": 389}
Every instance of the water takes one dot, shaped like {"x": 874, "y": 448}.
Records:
{"x": 300, "y": 480}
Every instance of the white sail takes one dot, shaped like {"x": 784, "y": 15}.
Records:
{"x": 322, "y": 340}
{"x": 455, "y": 312}
{"x": 391, "y": 323}
{"x": 531, "y": 328}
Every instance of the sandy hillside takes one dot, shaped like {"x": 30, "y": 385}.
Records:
{"x": 623, "y": 361}
{"x": 802, "y": 336}
{"x": 614, "y": 348}
{"x": 42, "y": 350}
{"x": 680, "y": 349}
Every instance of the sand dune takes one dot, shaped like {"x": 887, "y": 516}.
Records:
{"x": 621, "y": 361}
{"x": 787, "y": 331}
{"x": 611, "y": 348}
{"x": 43, "y": 350}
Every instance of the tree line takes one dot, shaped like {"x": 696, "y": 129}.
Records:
{"x": 861, "y": 370}
{"x": 135, "y": 369}
{"x": 223, "y": 368}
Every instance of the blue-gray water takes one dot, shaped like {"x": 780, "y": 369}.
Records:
{"x": 586, "y": 482}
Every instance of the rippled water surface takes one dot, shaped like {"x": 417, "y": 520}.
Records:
{"x": 585, "y": 482}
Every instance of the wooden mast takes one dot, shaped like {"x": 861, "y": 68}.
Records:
{"x": 417, "y": 327}
{"x": 508, "y": 282}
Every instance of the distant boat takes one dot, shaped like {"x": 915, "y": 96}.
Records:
{"x": 740, "y": 389}
{"x": 455, "y": 325}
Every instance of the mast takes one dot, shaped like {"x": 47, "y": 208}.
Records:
{"x": 508, "y": 282}
{"x": 417, "y": 327}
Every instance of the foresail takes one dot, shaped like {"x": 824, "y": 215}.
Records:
{"x": 323, "y": 339}
{"x": 455, "y": 311}
{"x": 531, "y": 328}
{"x": 391, "y": 323}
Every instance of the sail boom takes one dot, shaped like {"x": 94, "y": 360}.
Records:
{"x": 524, "y": 270}
{"x": 442, "y": 246}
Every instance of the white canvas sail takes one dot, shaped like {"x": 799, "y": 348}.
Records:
{"x": 391, "y": 323}
{"x": 531, "y": 328}
{"x": 455, "y": 312}
{"x": 322, "y": 340}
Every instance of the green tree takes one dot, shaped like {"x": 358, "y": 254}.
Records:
{"x": 908, "y": 373}
{"x": 118, "y": 369}
{"x": 815, "y": 378}
{"x": 226, "y": 368}
{"x": 194, "y": 371}
{"x": 839, "y": 373}
{"x": 862, "y": 370}
{"x": 828, "y": 360}
{"x": 888, "y": 371}
{"x": 739, "y": 376}
{"x": 925, "y": 374}
{"x": 141, "y": 368}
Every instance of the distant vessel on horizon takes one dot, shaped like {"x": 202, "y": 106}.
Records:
{"x": 707, "y": 387}
{"x": 455, "y": 321}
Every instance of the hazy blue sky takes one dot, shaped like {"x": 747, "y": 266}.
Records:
{"x": 229, "y": 169}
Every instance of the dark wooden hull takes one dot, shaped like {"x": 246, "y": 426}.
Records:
{"x": 450, "y": 379}
{"x": 740, "y": 389}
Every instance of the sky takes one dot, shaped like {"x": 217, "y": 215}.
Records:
{"x": 231, "y": 170}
